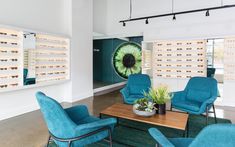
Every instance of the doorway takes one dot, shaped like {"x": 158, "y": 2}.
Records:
{"x": 215, "y": 60}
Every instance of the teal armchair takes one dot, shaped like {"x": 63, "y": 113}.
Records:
{"x": 211, "y": 72}
{"x": 28, "y": 81}
{"x": 136, "y": 85}
{"x": 73, "y": 127}
{"x": 198, "y": 97}
{"x": 217, "y": 135}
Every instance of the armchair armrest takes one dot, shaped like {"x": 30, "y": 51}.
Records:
{"x": 125, "y": 92}
{"x": 77, "y": 113}
{"x": 178, "y": 96}
{"x": 89, "y": 127}
{"x": 160, "y": 138}
{"x": 206, "y": 103}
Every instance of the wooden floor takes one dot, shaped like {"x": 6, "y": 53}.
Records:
{"x": 29, "y": 130}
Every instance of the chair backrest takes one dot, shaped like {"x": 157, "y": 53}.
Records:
{"x": 25, "y": 73}
{"x": 137, "y": 83}
{"x": 57, "y": 120}
{"x": 210, "y": 72}
{"x": 201, "y": 88}
{"x": 218, "y": 135}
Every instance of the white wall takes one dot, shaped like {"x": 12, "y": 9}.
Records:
{"x": 100, "y": 22}
{"x": 41, "y": 15}
{"x": 119, "y": 9}
{"x": 58, "y": 17}
{"x": 81, "y": 44}
{"x": 220, "y": 23}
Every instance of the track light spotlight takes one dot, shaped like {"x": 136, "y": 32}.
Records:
{"x": 207, "y": 13}
{"x": 124, "y": 24}
{"x": 174, "y": 18}
{"x": 147, "y": 21}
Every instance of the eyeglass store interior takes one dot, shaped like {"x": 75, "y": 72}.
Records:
{"x": 120, "y": 73}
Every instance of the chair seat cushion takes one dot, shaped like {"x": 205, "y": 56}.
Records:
{"x": 187, "y": 105}
{"x": 197, "y": 95}
{"x": 131, "y": 99}
{"x": 138, "y": 89}
{"x": 137, "y": 96}
{"x": 88, "y": 119}
{"x": 181, "y": 142}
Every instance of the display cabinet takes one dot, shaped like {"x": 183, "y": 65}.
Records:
{"x": 30, "y": 58}
{"x": 10, "y": 58}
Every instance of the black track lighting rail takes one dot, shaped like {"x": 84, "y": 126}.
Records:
{"x": 177, "y": 13}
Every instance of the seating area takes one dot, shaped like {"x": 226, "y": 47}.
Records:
{"x": 117, "y": 73}
{"x": 74, "y": 126}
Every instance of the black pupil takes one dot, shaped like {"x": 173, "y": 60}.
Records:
{"x": 128, "y": 60}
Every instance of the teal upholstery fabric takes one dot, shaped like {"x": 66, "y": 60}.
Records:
{"x": 188, "y": 105}
{"x": 136, "y": 85}
{"x": 28, "y": 81}
{"x": 72, "y": 122}
{"x": 217, "y": 135}
{"x": 199, "y": 93}
{"x": 210, "y": 72}
{"x": 181, "y": 142}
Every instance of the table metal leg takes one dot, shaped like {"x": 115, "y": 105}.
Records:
{"x": 186, "y": 132}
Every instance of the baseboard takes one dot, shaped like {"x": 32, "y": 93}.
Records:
{"x": 229, "y": 104}
{"x": 109, "y": 87}
{"x": 80, "y": 97}
{"x": 18, "y": 111}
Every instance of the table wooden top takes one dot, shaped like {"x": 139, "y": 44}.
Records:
{"x": 171, "y": 119}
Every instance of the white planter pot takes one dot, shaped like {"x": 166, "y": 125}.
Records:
{"x": 144, "y": 113}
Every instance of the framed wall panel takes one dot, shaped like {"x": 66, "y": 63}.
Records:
{"x": 179, "y": 59}
{"x": 147, "y": 53}
{"x": 229, "y": 59}
{"x": 52, "y": 58}
{"x": 10, "y": 58}
{"x": 32, "y": 59}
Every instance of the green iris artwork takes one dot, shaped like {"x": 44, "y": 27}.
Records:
{"x": 127, "y": 59}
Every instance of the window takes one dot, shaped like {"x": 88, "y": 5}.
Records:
{"x": 215, "y": 55}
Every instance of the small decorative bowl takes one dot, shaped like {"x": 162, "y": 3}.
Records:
{"x": 144, "y": 113}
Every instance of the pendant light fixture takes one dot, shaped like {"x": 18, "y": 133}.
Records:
{"x": 146, "y": 18}
{"x": 207, "y": 13}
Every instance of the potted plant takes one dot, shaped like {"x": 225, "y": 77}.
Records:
{"x": 159, "y": 96}
{"x": 144, "y": 107}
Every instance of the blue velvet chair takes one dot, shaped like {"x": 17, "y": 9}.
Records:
{"x": 198, "y": 97}
{"x": 217, "y": 135}
{"x": 28, "y": 81}
{"x": 136, "y": 85}
{"x": 211, "y": 72}
{"x": 73, "y": 127}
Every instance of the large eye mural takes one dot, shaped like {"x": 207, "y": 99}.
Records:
{"x": 127, "y": 59}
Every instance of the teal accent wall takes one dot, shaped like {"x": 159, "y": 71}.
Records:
{"x": 103, "y": 50}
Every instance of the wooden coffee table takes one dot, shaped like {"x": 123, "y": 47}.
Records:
{"x": 171, "y": 119}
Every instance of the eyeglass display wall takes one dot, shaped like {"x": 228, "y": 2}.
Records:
{"x": 52, "y": 58}
{"x": 229, "y": 62}
{"x": 10, "y": 58}
{"x": 28, "y": 58}
{"x": 179, "y": 59}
